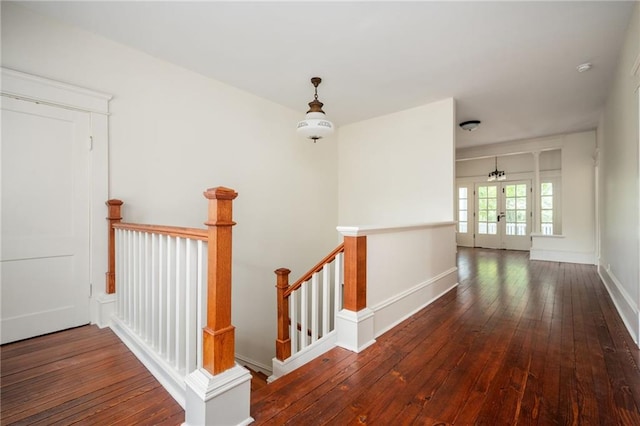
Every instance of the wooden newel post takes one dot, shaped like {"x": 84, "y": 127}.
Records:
{"x": 219, "y": 334}
{"x": 113, "y": 216}
{"x": 355, "y": 273}
{"x": 283, "y": 342}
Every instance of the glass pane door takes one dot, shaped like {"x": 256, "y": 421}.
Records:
{"x": 503, "y": 215}
{"x": 516, "y": 215}
{"x": 488, "y": 233}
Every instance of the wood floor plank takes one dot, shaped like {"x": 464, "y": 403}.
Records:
{"x": 84, "y": 375}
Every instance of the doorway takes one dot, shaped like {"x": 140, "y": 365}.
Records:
{"x": 503, "y": 215}
{"x": 45, "y": 224}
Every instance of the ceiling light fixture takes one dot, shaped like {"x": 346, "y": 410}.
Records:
{"x": 315, "y": 124}
{"x": 497, "y": 174}
{"x": 584, "y": 67}
{"x": 470, "y": 125}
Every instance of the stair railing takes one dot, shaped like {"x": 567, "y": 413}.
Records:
{"x": 173, "y": 288}
{"x": 307, "y": 309}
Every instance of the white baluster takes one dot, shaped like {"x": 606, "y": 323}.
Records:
{"x": 168, "y": 298}
{"x": 338, "y": 268}
{"x": 293, "y": 317}
{"x": 314, "y": 307}
{"x": 162, "y": 292}
{"x": 154, "y": 291}
{"x": 178, "y": 303}
{"x": 304, "y": 313}
{"x": 128, "y": 296}
{"x": 326, "y": 302}
{"x": 201, "y": 298}
{"x": 146, "y": 290}
{"x": 119, "y": 278}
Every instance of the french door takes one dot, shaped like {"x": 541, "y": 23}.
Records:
{"x": 503, "y": 215}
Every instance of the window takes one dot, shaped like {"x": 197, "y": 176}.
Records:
{"x": 487, "y": 209}
{"x": 546, "y": 208}
{"x": 463, "y": 210}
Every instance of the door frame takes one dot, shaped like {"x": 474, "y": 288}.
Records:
{"x": 32, "y": 88}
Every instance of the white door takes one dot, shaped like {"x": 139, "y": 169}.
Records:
{"x": 44, "y": 226}
{"x": 503, "y": 215}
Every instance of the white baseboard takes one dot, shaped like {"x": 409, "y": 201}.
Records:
{"x": 172, "y": 382}
{"x": 105, "y": 305}
{"x": 586, "y": 258}
{"x": 626, "y": 307}
{"x": 297, "y": 360}
{"x": 398, "y": 308}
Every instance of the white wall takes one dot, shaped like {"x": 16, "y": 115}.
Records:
{"x": 174, "y": 133}
{"x": 578, "y": 241}
{"x": 619, "y": 191}
{"x": 399, "y": 168}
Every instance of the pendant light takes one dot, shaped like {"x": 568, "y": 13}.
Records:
{"x": 315, "y": 124}
{"x": 497, "y": 174}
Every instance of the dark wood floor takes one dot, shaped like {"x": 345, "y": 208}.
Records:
{"x": 83, "y": 376}
{"x": 518, "y": 342}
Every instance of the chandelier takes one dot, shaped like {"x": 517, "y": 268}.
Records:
{"x": 497, "y": 174}
{"x": 315, "y": 124}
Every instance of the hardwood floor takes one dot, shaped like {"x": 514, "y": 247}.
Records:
{"x": 518, "y": 342}
{"x": 82, "y": 376}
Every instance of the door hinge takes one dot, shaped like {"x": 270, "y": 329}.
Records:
{"x": 90, "y": 143}
{"x": 503, "y": 190}
{"x": 90, "y": 290}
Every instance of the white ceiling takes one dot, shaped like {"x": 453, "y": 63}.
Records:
{"x": 510, "y": 64}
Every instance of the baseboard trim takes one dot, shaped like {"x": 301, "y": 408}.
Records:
{"x": 173, "y": 383}
{"x": 398, "y": 308}
{"x": 624, "y": 304}
{"x": 297, "y": 360}
{"x": 586, "y": 258}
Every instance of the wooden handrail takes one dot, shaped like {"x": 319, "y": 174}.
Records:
{"x": 283, "y": 339}
{"x": 172, "y": 231}
{"x": 317, "y": 268}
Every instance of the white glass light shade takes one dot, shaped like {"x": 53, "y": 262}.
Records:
{"x": 315, "y": 126}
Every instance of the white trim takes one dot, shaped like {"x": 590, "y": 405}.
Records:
{"x": 297, "y": 360}
{"x": 586, "y": 258}
{"x": 538, "y": 235}
{"x": 355, "y": 329}
{"x": 626, "y": 307}
{"x": 164, "y": 373}
{"x": 28, "y": 87}
{"x": 223, "y": 399}
{"x": 412, "y": 300}
{"x": 38, "y": 89}
{"x": 358, "y": 231}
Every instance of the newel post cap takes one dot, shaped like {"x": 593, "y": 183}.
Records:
{"x": 220, "y": 193}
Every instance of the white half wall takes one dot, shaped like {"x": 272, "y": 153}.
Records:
{"x": 398, "y": 168}
{"x": 408, "y": 268}
{"x": 172, "y": 134}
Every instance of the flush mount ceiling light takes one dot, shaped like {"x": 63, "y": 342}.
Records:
{"x": 584, "y": 67}
{"x": 315, "y": 124}
{"x": 470, "y": 125}
{"x": 497, "y": 174}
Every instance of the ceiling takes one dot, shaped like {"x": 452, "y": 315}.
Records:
{"x": 511, "y": 65}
